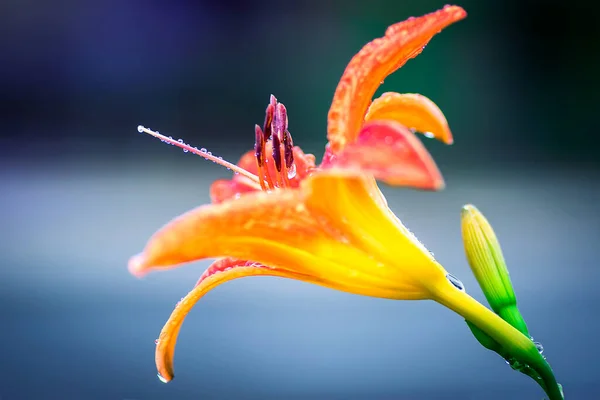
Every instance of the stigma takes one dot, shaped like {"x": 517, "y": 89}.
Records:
{"x": 273, "y": 150}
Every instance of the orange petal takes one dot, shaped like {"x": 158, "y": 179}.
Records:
{"x": 412, "y": 110}
{"x": 392, "y": 154}
{"x": 273, "y": 228}
{"x": 221, "y": 271}
{"x": 373, "y": 63}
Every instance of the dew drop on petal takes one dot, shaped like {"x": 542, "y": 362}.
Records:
{"x": 429, "y": 135}
{"x": 456, "y": 282}
{"x": 156, "y": 342}
{"x": 162, "y": 378}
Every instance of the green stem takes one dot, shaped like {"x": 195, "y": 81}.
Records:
{"x": 514, "y": 342}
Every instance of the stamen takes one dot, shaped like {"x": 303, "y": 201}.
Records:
{"x": 288, "y": 150}
{"x": 269, "y": 113}
{"x": 259, "y": 154}
{"x": 202, "y": 153}
{"x": 280, "y": 124}
{"x": 277, "y": 158}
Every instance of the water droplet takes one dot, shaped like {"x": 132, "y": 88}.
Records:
{"x": 180, "y": 140}
{"x": 429, "y": 135}
{"x": 292, "y": 171}
{"x": 539, "y": 347}
{"x": 141, "y": 128}
{"x": 456, "y": 282}
{"x": 209, "y": 153}
{"x": 162, "y": 378}
{"x": 185, "y": 150}
{"x": 203, "y": 150}
{"x": 156, "y": 342}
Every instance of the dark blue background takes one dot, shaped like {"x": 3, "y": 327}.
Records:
{"x": 81, "y": 191}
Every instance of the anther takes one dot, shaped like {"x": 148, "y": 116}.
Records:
{"x": 280, "y": 121}
{"x": 277, "y": 152}
{"x": 288, "y": 149}
{"x": 269, "y": 113}
{"x": 259, "y": 146}
{"x": 259, "y": 154}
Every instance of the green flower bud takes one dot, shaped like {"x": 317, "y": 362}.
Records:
{"x": 487, "y": 263}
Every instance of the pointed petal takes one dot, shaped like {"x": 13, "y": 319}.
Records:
{"x": 221, "y": 271}
{"x": 373, "y": 63}
{"x": 412, "y": 110}
{"x": 281, "y": 230}
{"x": 392, "y": 154}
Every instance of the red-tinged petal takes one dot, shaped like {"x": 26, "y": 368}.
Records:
{"x": 224, "y": 189}
{"x": 373, "y": 63}
{"x": 248, "y": 162}
{"x": 392, "y": 154}
{"x": 412, "y": 110}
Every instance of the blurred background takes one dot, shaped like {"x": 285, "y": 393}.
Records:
{"x": 81, "y": 191}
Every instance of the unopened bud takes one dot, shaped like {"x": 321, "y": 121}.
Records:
{"x": 487, "y": 263}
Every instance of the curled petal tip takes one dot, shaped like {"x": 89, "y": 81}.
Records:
{"x": 136, "y": 265}
{"x": 414, "y": 111}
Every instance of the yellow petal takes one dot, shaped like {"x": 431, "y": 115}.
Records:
{"x": 412, "y": 110}
{"x": 291, "y": 229}
{"x": 222, "y": 271}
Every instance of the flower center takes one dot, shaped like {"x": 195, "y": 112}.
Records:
{"x": 273, "y": 146}
{"x": 275, "y": 128}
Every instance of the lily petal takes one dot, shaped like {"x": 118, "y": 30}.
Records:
{"x": 332, "y": 227}
{"x": 412, "y": 110}
{"x": 375, "y": 61}
{"x": 392, "y": 154}
{"x": 221, "y": 271}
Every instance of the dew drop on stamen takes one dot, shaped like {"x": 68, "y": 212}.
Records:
{"x": 292, "y": 171}
{"x": 203, "y": 150}
{"x": 141, "y": 128}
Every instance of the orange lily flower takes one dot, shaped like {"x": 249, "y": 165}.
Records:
{"x": 282, "y": 215}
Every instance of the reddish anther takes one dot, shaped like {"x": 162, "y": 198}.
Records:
{"x": 288, "y": 149}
